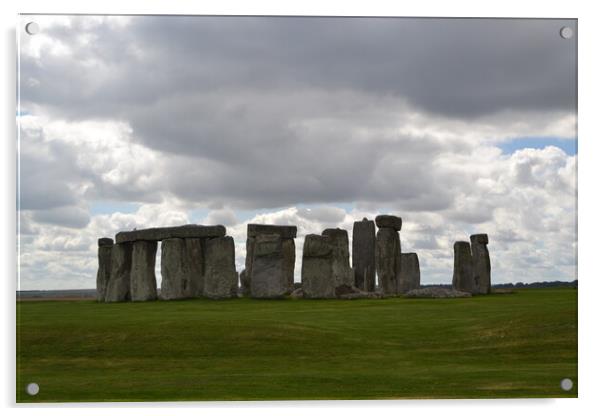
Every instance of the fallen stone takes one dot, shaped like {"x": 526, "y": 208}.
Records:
{"x": 437, "y": 292}
{"x": 182, "y": 268}
{"x": 388, "y": 221}
{"x": 284, "y": 231}
{"x": 345, "y": 290}
{"x": 143, "y": 283}
{"x": 388, "y": 260}
{"x": 268, "y": 280}
{"x": 343, "y": 273}
{"x": 297, "y": 293}
{"x": 481, "y": 263}
{"x": 221, "y": 279}
{"x": 363, "y": 247}
{"x": 104, "y": 267}
{"x": 410, "y": 272}
{"x": 163, "y": 233}
{"x": 463, "y": 278}
{"x": 317, "y": 267}
{"x": 361, "y": 295}
{"x": 118, "y": 288}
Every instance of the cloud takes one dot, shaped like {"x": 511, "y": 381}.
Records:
{"x": 307, "y": 122}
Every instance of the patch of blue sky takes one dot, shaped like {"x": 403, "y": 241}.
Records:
{"x": 22, "y": 113}
{"x": 568, "y": 145}
{"x": 110, "y": 207}
{"x": 197, "y": 215}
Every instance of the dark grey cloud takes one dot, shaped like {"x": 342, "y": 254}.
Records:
{"x": 458, "y": 67}
{"x": 268, "y": 112}
{"x": 67, "y": 216}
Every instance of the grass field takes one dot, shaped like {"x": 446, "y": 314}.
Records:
{"x": 518, "y": 345}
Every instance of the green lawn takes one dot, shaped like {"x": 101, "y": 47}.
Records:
{"x": 518, "y": 345}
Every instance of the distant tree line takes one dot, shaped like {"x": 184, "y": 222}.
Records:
{"x": 534, "y": 285}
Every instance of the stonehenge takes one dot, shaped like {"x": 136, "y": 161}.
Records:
{"x": 410, "y": 273}
{"x": 463, "y": 279}
{"x": 181, "y": 268}
{"x": 199, "y": 261}
{"x": 221, "y": 279}
{"x": 481, "y": 263}
{"x": 196, "y": 260}
{"x": 342, "y": 272}
{"x": 472, "y": 265}
{"x": 143, "y": 283}
{"x": 388, "y": 254}
{"x": 270, "y": 260}
{"x": 118, "y": 287}
{"x": 317, "y": 270}
{"x": 364, "y": 244}
{"x": 104, "y": 267}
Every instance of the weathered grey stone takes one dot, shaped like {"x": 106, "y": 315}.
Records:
{"x": 245, "y": 283}
{"x": 268, "y": 280}
{"x": 363, "y": 259}
{"x": 361, "y": 295}
{"x": 410, "y": 272}
{"x": 388, "y": 260}
{"x": 388, "y": 221}
{"x": 479, "y": 239}
{"x": 118, "y": 288}
{"x": 297, "y": 293}
{"x": 288, "y": 262}
{"x": 143, "y": 283}
{"x": 437, "y": 292}
{"x": 284, "y": 231}
{"x": 163, "y": 233}
{"x": 182, "y": 268}
{"x": 221, "y": 279}
{"x": 104, "y": 267}
{"x": 343, "y": 273}
{"x": 317, "y": 267}
{"x": 345, "y": 290}
{"x": 463, "y": 279}
{"x": 481, "y": 263}
{"x": 105, "y": 241}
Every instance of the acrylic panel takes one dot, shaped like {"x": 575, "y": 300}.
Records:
{"x": 216, "y": 208}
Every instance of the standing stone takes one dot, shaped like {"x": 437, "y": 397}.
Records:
{"x": 268, "y": 279}
{"x": 249, "y": 257}
{"x": 181, "y": 268}
{"x": 317, "y": 267}
{"x": 410, "y": 272}
{"x": 118, "y": 289}
{"x": 388, "y": 260}
{"x": 245, "y": 283}
{"x": 481, "y": 263}
{"x": 104, "y": 267}
{"x": 343, "y": 273}
{"x": 221, "y": 279}
{"x": 364, "y": 245}
{"x": 288, "y": 263}
{"x": 463, "y": 279}
{"x": 285, "y": 259}
{"x": 143, "y": 283}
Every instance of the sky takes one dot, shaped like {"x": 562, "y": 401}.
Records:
{"x": 459, "y": 126}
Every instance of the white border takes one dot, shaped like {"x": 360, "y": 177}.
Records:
{"x": 589, "y": 189}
